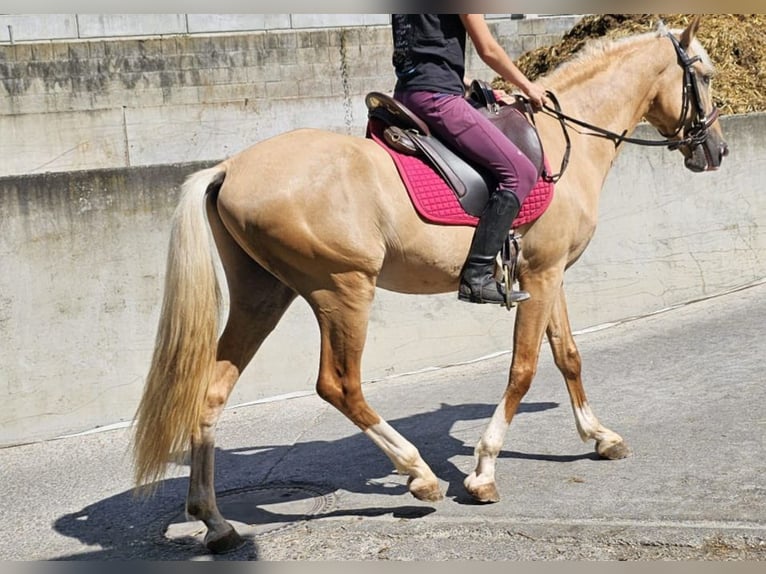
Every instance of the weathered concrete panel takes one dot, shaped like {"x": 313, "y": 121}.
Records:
{"x": 209, "y": 23}
{"x": 116, "y": 25}
{"x": 338, "y": 20}
{"x": 667, "y": 236}
{"x": 73, "y": 296}
{"x": 38, "y": 143}
{"x": 173, "y": 134}
{"x": 29, "y": 27}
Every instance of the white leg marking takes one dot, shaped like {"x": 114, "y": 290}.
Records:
{"x": 487, "y": 449}
{"x": 587, "y": 423}
{"x": 402, "y": 453}
{"x": 491, "y": 442}
{"x": 589, "y": 427}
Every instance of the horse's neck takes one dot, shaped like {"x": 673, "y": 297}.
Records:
{"x": 611, "y": 90}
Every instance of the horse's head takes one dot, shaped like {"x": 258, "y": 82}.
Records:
{"x": 682, "y": 109}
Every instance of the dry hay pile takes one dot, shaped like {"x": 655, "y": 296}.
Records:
{"x": 736, "y": 44}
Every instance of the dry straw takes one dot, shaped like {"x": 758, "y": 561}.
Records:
{"x": 736, "y": 44}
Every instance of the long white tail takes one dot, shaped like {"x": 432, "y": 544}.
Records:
{"x": 185, "y": 348}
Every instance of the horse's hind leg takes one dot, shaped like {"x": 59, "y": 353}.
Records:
{"x": 243, "y": 335}
{"x": 343, "y": 312}
{"x": 608, "y": 443}
{"x": 257, "y": 302}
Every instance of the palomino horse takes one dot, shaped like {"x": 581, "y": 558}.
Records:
{"x": 335, "y": 222}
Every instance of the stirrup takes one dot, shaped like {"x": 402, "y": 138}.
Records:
{"x": 508, "y": 258}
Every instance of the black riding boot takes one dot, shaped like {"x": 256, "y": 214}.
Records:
{"x": 477, "y": 282}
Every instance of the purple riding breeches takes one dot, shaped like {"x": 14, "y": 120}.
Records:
{"x": 453, "y": 119}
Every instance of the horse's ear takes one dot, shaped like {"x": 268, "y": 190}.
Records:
{"x": 690, "y": 32}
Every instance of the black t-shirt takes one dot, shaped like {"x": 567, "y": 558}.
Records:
{"x": 429, "y": 52}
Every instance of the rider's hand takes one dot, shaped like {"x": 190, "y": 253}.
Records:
{"x": 536, "y": 94}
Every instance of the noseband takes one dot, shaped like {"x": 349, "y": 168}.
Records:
{"x": 695, "y": 135}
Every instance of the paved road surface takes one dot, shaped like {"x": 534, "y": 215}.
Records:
{"x": 684, "y": 387}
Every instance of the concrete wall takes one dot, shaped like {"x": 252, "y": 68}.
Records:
{"x": 87, "y": 102}
{"x": 82, "y": 258}
{"x": 15, "y": 28}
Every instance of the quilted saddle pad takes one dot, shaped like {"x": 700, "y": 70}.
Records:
{"x": 437, "y": 203}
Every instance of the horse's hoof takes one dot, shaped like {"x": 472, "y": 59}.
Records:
{"x": 424, "y": 490}
{"x": 485, "y": 493}
{"x": 227, "y": 542}
{"x": 614, "y": 451}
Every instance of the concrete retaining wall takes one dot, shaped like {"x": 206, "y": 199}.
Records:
{"x": 87, "y": 102}
{"x": 18, "y": 28}
{"x": 82, "y": 257}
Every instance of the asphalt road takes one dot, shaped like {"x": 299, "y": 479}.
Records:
{"x": 685, "y": 388}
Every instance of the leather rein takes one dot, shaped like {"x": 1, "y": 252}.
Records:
{"x": 695, "y": 135}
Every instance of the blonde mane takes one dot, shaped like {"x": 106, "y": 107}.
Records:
{"x": 592, "y": 59}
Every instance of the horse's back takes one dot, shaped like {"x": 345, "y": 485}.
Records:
{"x": 329, "y": 201}
{"x": 299, "y": 165}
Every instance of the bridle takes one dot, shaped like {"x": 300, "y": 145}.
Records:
{"x": 701, "y": 122}
{"x": 695, "y": 135}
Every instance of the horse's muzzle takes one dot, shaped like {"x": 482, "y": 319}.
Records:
{"x": 707, "y": 156}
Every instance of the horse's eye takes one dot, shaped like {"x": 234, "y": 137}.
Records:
{"x": 706, "y": 79}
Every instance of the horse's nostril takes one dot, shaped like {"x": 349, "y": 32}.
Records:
{"x": 724, "y": 150}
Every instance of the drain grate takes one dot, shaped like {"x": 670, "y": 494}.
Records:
{"x": 256, "y": 511}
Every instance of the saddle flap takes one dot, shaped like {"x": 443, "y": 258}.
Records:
{"x": 470, "y": 186}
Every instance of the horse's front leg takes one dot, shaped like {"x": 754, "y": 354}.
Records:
{"x": 531, "y": 320}
{"x": 609, "y": 444}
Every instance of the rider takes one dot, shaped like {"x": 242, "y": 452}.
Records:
{"x": 429, "y": 61}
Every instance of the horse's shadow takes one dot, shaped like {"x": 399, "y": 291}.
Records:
{"x": 126, "y": 527}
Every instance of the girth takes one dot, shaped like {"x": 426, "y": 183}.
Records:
{"x": 472, "y": 185}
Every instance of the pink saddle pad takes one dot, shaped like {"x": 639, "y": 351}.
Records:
{"x": 437, "y": 203}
